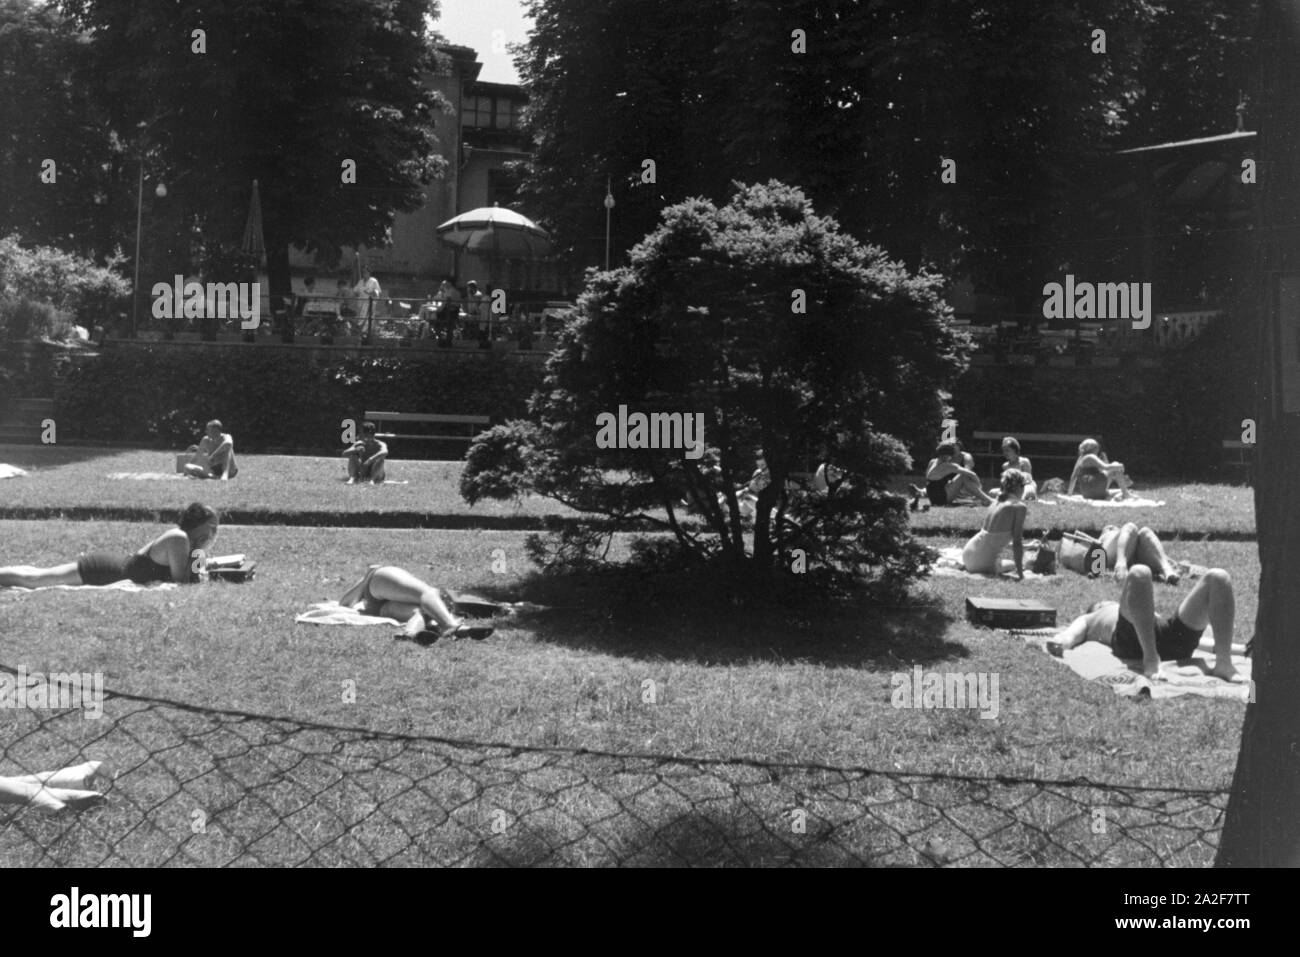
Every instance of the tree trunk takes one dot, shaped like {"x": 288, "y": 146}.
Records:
{"x": 1262, "y": 825}
{"x": 278, "y": 276}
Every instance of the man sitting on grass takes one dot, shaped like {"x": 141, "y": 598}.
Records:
{"x": 214, "y": 456}
{"x": 1133, "y": 630}
{"x": 366, "y": 457}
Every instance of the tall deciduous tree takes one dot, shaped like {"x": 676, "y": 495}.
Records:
{"x": 54, "y": 142}
{"x": 217, "y": 93}
{"x": 858, "y": 103}
{"x": 1262, "y": 826}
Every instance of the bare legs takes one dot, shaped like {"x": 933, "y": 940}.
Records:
{"x": 1131, "y": 546}
{"x": 399, "y": 595}
{"x": 377, "y": 473}
{"x": 1212, "y": 603}
{"x": 968, "y": 486}
{"x": 1137, "y": 603}
{"x": 29, "y": 576}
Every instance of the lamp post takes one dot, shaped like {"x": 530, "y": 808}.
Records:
{"x": 609, "y": 206}
{"x": 160, "y": 191}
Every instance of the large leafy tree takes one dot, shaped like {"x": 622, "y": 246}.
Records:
{"x": 284, "y": 94}
{"x": 861, "y": 115}
{"x": 1021, "y": 95}
{"x": 45, "y": 115}
{"x": 613, "y": 83}
{"x": 785, "y": 334}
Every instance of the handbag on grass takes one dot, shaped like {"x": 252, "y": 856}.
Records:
{"x": 1078, "y": 552}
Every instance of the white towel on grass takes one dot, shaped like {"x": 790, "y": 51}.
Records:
{"x": 1094, "y": 661}
{"x": 147, "y": 476}
{"x": 11, "y": 471}
{"x": 332, "y": 613}
{"x": 1104, "y": 503}
{"x": 127, "y": 586}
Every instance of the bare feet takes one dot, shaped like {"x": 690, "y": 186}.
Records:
{"x": 1223, "y": 668}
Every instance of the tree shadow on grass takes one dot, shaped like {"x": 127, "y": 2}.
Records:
{"x": 678, "y": 617}
{"x": 692, "y": 839}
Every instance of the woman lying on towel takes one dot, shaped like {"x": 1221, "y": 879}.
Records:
{"x": 1004, "y": 524}
{"x": 387, "y": 591}
{"x": 1094, "y": 475}
{"x": 168, "y": 558}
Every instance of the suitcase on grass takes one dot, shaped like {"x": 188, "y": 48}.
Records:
{"x": 1010, "y": 613}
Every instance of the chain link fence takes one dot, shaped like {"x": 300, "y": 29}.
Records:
{"x": 202, "y": 786}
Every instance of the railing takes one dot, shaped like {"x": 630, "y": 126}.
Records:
{"x": 530, "y": 324}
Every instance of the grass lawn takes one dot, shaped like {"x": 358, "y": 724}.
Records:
{"x": 296, "y": 489}
{"x": 306, "y": 490}
{"x": 783, "y": 687}
{"x": 1190, "y": 511}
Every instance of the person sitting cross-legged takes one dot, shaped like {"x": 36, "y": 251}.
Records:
{"x": 387, "y": 591}
{"x": 1134, "y": 631}
{"x": 366, "y": 457}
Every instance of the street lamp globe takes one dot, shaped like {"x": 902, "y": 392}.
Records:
{"x": 160, "y": 190}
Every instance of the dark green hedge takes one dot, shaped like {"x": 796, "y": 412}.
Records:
{"x": 277, "y": 400}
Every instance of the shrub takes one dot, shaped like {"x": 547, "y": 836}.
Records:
{"x": 776, "y": 330}
{"x": 71, "y": 284}
{"x": 22, "y": 317}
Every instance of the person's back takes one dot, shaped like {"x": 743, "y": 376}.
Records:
{"x": 1003, "y": 525}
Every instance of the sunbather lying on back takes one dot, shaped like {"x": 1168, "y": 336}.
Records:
{"x": 1133, "y": 630}
{"x": 1127, "y": 546}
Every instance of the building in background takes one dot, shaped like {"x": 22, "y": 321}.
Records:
{"x": 480, "y": 141}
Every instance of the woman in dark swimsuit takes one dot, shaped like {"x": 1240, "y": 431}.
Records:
{"x": 168, "y": 558}
{"x": 947, "y": 481}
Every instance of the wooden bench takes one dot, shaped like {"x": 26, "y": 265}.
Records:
{"x": 1031, "y": 445}
{"x": 472, "y": 424}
